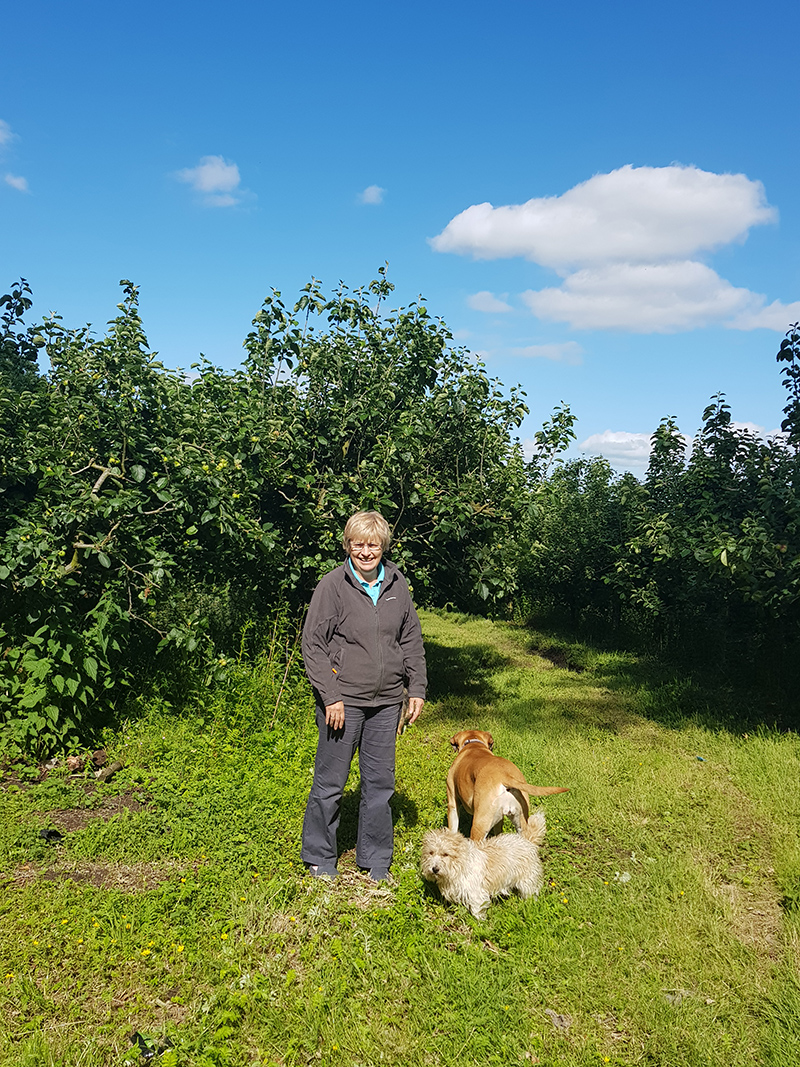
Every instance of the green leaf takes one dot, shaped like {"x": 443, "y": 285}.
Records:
{"x": 90, "y": 666}
{"x": 103, "y": 559}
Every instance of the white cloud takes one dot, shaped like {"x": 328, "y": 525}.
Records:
{"x": 567, "y": 352}
{"x": 623, "y": 244}
{"x": 776, "y": 316}
{"x": 620, "y": 447}
{"x": 216, "y": 179}
{"x": 660, "y": 298}
{"x": 373, "y": 194}
{"x": 16, "y": 181}
{"x": 632, "y": 215}
{"x": 7, "y": 135}
{"x": 488, "y": 302}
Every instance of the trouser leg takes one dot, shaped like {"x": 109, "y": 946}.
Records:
{"x": 335, "y": 750}
{"x": 376, "y": 759}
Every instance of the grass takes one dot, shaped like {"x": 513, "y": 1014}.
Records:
{"x": 175, "y": 907}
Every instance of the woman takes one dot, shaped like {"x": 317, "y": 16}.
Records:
{"x": 362, "y": 642}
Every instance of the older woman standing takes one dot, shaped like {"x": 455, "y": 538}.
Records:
{"x": 362, "y": 642}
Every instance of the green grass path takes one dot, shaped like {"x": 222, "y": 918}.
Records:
{"x": 666, "y": 934}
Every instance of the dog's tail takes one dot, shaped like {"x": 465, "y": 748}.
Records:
{"x": 535, "y": 830}
{"x": 539, "y": 790}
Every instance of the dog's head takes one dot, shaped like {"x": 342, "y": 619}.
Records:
{"x": 471, "y": 737}
{"x": 443, "y": 854}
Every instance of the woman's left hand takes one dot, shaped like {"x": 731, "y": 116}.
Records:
{"x": 414, "y": 708}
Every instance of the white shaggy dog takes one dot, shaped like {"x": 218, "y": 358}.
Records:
{"x": 472, "y": 872}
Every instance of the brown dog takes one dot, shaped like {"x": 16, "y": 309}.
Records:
{"x": 487, "y": 786}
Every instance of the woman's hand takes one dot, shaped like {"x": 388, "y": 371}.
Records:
{"x": 334, "y": 715}
{"x": 414, "y": 708}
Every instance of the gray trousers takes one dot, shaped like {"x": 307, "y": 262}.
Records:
{"x": 373, "y": 731}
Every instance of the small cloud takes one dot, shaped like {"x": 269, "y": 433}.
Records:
{"x": 566, "y": 352}
{"x": 620, "y": 447}
{"x": 488, "y": 302}
{"x": 7, "y": 135}
{"x": 373, "y": 194}
{"x": 216, "y": 179}
{"x": 16, "y": 181}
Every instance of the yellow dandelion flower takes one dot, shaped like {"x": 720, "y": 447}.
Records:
{"x": 223, "y": 937}
{"x": 80, "y": 940}
{"x": 242, "y": 898}
{"x": 127, "y": 926}
{"x": 146, "y": 951}
{"x": 179, "y": 948}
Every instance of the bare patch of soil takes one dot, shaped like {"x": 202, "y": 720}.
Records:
{"x": 129, "y": 878}
{"x": 70, "y": 819}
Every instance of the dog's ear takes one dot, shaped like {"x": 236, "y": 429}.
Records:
{"x": 490, "y": 740}
{"x": 454, "y": 741}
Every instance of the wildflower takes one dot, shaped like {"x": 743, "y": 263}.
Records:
{"x": 80, "y": 940}
{"x": 146, "y": 951}
{"x": 64, "y": 922}
{"x": 242, "y": 898}
{"x": 179, "y": 948}
{"x": 10, "y": 974}
{"x": 127, "y": 926}
{"x": 292, "y": 919}
{"x": 36, "y": 942}
{"x": 223, "y": 937}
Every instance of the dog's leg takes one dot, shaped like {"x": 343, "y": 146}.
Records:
{"x": 482, "y": 823}
{"x": 518, "y": 812}
{"x": 452, "y": 804}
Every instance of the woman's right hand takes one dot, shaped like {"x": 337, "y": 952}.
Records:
{"x": 334, "y": 715}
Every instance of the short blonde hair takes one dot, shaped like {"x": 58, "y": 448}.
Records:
{"x": 366, "y": 526}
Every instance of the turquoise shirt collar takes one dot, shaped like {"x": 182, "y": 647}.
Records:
{"x": 372, "y": 591}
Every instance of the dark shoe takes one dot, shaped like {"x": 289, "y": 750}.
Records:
{"x": 379, "y": 874}
{"x": 322, "y": 870}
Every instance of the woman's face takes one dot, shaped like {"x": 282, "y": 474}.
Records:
{"x": 366, "y": 557}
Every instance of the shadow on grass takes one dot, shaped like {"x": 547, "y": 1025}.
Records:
{"x": 463, "y": 672}
{"x": 664, "y": 689}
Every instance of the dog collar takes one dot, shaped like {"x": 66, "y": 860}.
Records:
{"x": 474, "y": 741}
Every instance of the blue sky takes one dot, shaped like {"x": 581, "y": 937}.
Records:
{"x": 601, "y": 199}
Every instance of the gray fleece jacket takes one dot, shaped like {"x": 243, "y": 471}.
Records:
{"x": 360, "y": 652}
